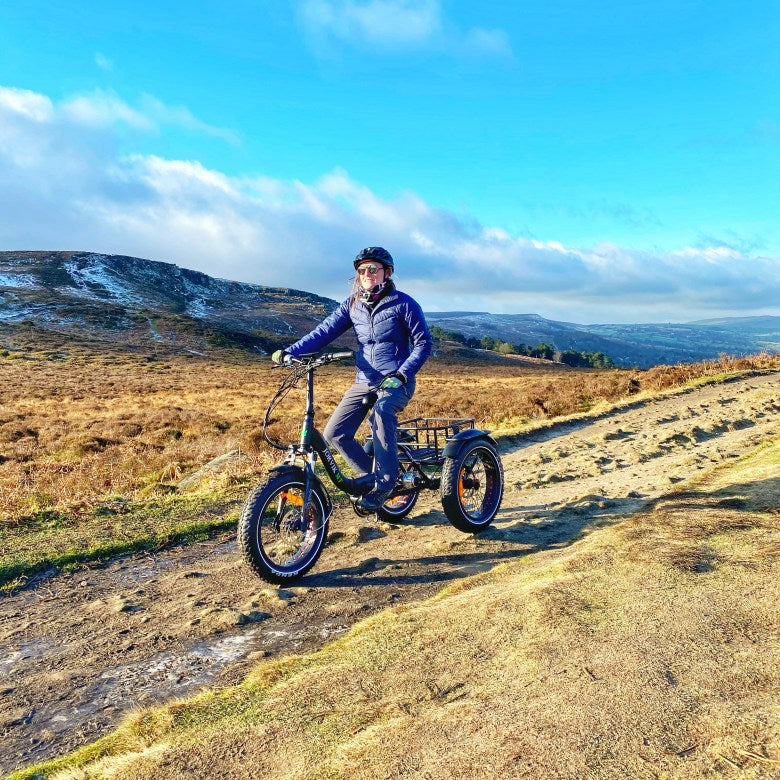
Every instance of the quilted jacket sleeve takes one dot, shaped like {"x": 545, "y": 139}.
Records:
{"x": 334, "y": 325}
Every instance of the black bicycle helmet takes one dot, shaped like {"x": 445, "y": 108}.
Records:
{"x": 375, "y": 253}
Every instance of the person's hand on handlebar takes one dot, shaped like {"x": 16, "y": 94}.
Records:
{"x": 392, "y": 381}
{"x": 281, "y": 357}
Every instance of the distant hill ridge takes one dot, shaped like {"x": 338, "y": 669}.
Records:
{"x": 132, "y": 300}
{"x": 642, "y": 345}
{"x": 121, "y": 299}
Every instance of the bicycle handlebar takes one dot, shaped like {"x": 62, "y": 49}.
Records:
{"x": 300, "y": 367}
{"x": 314, "y": 361}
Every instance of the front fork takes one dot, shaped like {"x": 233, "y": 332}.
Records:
{"x": 303, "y": 460}
{"x": 311, "y": 478}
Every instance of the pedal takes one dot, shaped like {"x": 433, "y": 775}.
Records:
{"x": 358, "y": 510}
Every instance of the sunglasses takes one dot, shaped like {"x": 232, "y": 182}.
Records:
{"x": 369, "y": 269}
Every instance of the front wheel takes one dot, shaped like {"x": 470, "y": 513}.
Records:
{"x": 276, "y": 540}
{"x": 472, "y": 485}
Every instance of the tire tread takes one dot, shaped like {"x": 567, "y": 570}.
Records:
{"x": 449, "y": 488}
{"x": 246, "y": 531}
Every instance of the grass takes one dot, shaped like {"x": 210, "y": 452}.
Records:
{"x": 647, "y": 649}
{"x": 83, "y": 428}
{"x": 55, "y": 541}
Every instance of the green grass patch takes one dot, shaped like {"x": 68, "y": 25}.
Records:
{"x": 59, "y": 540}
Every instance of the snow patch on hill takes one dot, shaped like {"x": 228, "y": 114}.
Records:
{"x": 17, "y": 280}
{"x": 18, "y": 313}
{"x": 93, "y": 279}
{"x": 198, "y": 308}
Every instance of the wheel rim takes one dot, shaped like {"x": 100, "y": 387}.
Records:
{"x": 286, "y": 539}
{"x": 479, "y": 485}
{"x": 397, "y": 504}
{"x": 401, "y": 503}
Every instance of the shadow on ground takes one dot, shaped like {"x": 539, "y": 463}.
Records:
{"x": 518, "y": 531}
{"x": 760, "y": 496}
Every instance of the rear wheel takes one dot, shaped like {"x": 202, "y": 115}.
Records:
{"x": 398, "y": 507}
{"x": 472, "y": 485}
{"x": 276, "y": 540}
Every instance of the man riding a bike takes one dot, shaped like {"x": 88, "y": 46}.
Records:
{"x": 394, "y": 342}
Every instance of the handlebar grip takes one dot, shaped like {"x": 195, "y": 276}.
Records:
{"x": 341, "y": 355}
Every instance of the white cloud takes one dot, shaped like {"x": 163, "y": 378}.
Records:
{"x": 181, "y": 116}
{"x": 64, "y": 186}
{"x": 383, "y": 23}
{"x": 24, "y": 103}
{"x": 103, "y": 62}
{"x": 105, "y": 108}
{"x": 395, "y": 25}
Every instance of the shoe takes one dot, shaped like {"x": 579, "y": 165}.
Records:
{"x": 364, "y": 484}
{"x": 372, "y": 502}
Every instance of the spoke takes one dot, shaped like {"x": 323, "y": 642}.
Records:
{"x": 284, "y": 533}
{"x": 473, "y": 485}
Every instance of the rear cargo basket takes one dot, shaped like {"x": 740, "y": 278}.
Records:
{"x": 426, "y": 437}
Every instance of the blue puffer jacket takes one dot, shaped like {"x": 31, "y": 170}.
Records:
{"x": 393, "y": 336}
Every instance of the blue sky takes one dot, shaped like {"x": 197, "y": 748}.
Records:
{"x": 591, "y": 162}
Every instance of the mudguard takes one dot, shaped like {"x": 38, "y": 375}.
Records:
{"x": 289, "y": 468}
{"x": 453, "y": 447}
{"x": 297, "y": 471}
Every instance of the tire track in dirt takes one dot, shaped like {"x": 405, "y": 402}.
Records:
{"x": 81, "y": 650}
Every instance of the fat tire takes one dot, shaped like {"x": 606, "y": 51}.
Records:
{"x": 390, "y": 515}
{"x": 249, "y": 530}
{"x": 457, "y": 514}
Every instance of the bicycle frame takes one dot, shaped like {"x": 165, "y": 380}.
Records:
{"x": 312, "y": 444}
{"x": 455, "y": 431}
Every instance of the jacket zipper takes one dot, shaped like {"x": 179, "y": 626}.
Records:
{"x": 371, "y": 313}
{"x": 373, "y": 337}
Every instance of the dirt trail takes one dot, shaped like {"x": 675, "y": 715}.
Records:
{"x": 80, "y": 650}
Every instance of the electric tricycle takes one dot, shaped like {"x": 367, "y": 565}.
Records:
{"x": 284, "y": 522}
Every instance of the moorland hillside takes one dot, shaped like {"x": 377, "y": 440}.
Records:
{"x": 618, "y": 615}
{"x": 151, "y": 306}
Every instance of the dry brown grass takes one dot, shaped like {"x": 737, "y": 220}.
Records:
{"x": 76, "y": 432}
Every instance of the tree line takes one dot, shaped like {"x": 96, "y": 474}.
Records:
{"x": 570, "y": 357}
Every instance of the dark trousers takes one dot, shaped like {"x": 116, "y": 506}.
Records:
{"x": 346, "y": 418}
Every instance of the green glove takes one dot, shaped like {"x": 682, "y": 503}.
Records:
{"x": 280, "y": 357}
{"x": 390, "y": 382}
